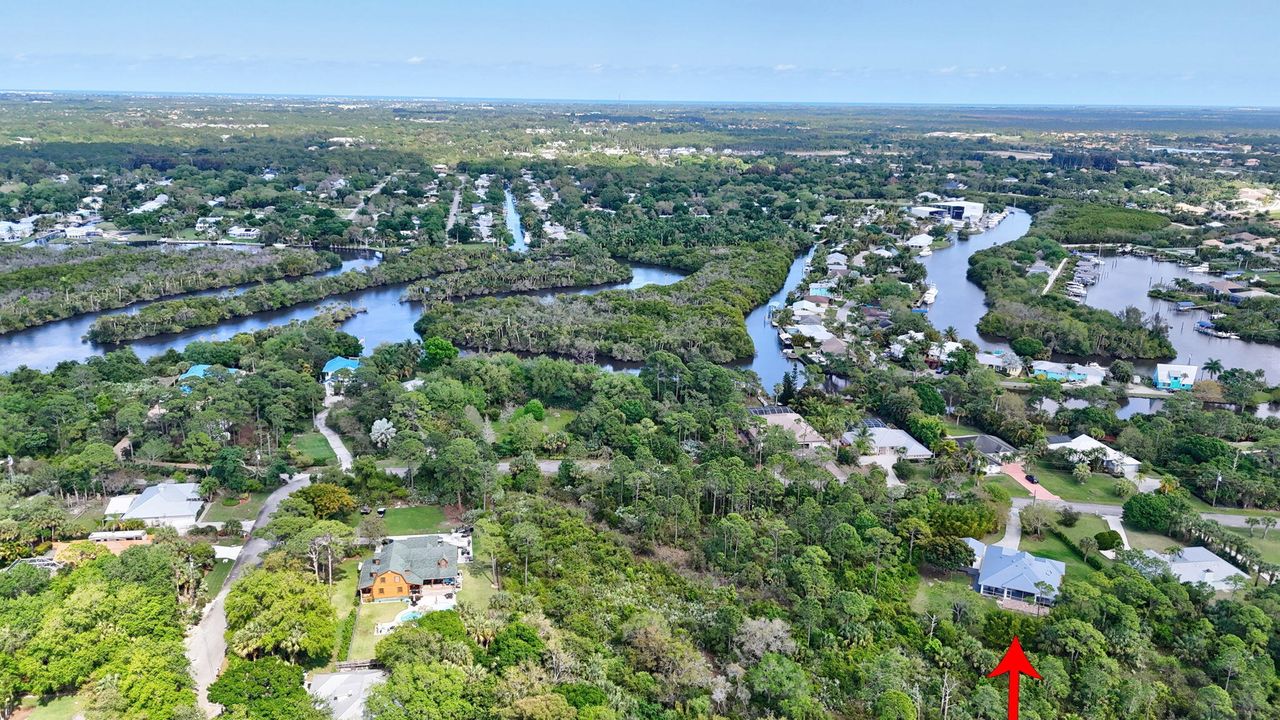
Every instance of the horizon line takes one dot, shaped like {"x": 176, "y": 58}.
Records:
{"x": 620, "y": 101}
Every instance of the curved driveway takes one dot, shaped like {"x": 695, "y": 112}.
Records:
{"x": 206, "y": 643}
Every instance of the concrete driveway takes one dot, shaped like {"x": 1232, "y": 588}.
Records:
{"x": 206, "y": 642}
{"x": 344, "y": 455}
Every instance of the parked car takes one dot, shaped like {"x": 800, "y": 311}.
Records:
{"x": 1032, "y": 479}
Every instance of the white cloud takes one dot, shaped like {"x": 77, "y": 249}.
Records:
{"x": 786, "y": 67}
{"x": 415, "y": 60}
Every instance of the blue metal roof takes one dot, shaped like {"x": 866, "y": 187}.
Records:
{"x": 340, "y": 363}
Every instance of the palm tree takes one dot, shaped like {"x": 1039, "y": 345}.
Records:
{"x": 1213, "y": 367}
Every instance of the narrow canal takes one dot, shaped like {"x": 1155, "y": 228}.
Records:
{"x": 961, "y": 304}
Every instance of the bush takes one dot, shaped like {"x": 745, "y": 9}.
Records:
{"x": 1109, "y": 540}
{"x": 1068, "y": 517}
{"x": 996, "y": 492}
{"x": 1124, "y": 489}
{"x": 231, "y": 501}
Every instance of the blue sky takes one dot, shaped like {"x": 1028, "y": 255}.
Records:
{"x": 1145, "y": 52}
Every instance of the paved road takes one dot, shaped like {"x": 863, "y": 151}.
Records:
{"x": 206, "y": 643}
{"x": 551, "y": 467}
{"x": 335, "y": 442}
{"x": 454, "y": 207}
{"x": 1053, "y": 277}
{"x": 364, "y": 198}
{"x": 1103, "y": 509}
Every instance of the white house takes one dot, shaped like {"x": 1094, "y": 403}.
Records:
{"x": 81, "y": 232}
{"x": 244, "y": 233}
{"x": 890, "y": 441}
{"x": 174, "y": 504}
{"x": 1198, "y": 564}
{"x": 920, "y": 242}
{"x": 1116, "y": 462}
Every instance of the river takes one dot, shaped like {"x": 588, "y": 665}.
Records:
{"x": 961, "y": 304}
{"x": 1125, "y": 280}
{"x": 769, "y": 363}
{"x": 45, "y": 346}
{"x": 387, "y": 320}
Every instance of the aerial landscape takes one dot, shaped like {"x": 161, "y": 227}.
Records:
{"x": 359, "y": 376}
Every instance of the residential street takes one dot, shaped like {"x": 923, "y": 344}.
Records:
{"x": 1237, "y": 521}
{"x": 206, "y": 643}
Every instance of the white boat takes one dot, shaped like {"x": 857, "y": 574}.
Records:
{"x": 926, "y": 252}
{"x": 930, "y": 295}
{"x": 1201, "y": 268}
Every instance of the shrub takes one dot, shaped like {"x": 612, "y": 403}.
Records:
{"x": 1124, "y": 489}
{"x": 1108, "y": 540}
{"x": 1068, "y": 517}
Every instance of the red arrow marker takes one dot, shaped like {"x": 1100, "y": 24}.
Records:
{"x": 1015, "y": 663}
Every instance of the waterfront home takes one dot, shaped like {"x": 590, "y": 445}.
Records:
{"x": 338, "y": 365}
{"x": 1199, "y": 564}
{"x": 1175, "y": 377}
{"x": 885, "y": 440}
{"x": 205, "y": 224}
{"x": 940, "y": 352}
{"x": 791, "y": 421}
{"x": 151, "y": 205}
{"x": 174, "y": 504}
{"x": 402, "y": 569}
{"x": 1039, "y": 267}
{"x": 920, "y": 242}
{"x": 198, "y": 371}
{"x": 1069, "y": 373}
{"x": 1216, "y": 288}
{"x": 1082, "y": 447}
{"x": 1005, "y": 363}
{"x": 82, "y": 232}
{"x": 1010, "y": 574}
{"x": 898, "y": 348}
{"x": 837, "y": 258}
{"x": 244, "y": 233}
{"x": 1252, "y": 294}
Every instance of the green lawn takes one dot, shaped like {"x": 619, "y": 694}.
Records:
{"x": 958, "y": 430}
{"x": 1141, "y": 540}
{"x": 477, "y": 586}
{"x": 1097, "y": 489}
{"x": 313, "y": 445}
{"x": 247, "y": 510}
{"x": 1270, "y": 548}
{"x": 363, "y": 642}
{"x": 555, "y": 420}
{"x": 1013, "y": 486}
{"x": 415, "y": 520}
{"x": 1086, "y": 526}
{"x": 937, "y": 595}
{"x": 1201, "y": 506}
{"x": 63, "y": 707}
{"x": 217, "y": 575}
{"x": 1053, "y": 548}
{"x": 343, "y": 594}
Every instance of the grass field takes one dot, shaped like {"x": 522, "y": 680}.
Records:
{"x": 217, "y": 575}
{"x": 363, "y": 642}
{"x": 64, "y": 707}
{"x": 1201, "y": 506}
{"x": 477, "y": 586}
{"x": 1086, "y": 526}
{"x": 1053, "y": 548}
{"x": 938, "y": 594}
{"x": 958, "y": 430}
{"x": 343, "y": 594}
{"x": 1270, "y": 548}
{"x": 1014, "y": 488}
{"x": 244, "y": 511}
{"x": 415, "y": 520}
{"x": 314, "y": 446}
{"x": 555, "y": 420}
{"x": 1141, "y": 540}
{"x": 1096, "y": 489}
